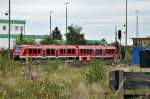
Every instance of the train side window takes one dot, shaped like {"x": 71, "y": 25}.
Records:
{"x": 35, "y": 51}
{"x": 85, "y": 51}
{"x": 81, "y": 51}
{"x": 110, "y": 51}
{"x": 30, "y": 51}
{"x": 107, "y": 51}
{"x": 52, "y": 52}
{"x": 39, "y": 51}
{"x": 47, "y": 51}
{"x": 64, "y": 51}
{"x": 104, "y": 51}
{"x": 88, "y": 51}
{"x": 61, "y": 51}
{"x": 69, "y": 51}
{"x": 97, "y": 51}
{"x": 73, "y": 51}
{"x": 100, "y": 52}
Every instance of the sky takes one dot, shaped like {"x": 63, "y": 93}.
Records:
{"x": 97, "y": 18}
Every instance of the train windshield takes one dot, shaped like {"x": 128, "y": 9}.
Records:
{"x": 17, "y": 50}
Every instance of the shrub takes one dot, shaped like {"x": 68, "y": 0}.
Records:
{"x": 96, "y": 73}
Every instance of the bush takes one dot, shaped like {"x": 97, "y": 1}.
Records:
{"x": 96, "y": 73}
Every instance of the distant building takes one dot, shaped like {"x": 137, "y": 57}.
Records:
{"x": 16, "y": 27}
{"x": 138, "y": 45}
{"x": 142, "y": 42}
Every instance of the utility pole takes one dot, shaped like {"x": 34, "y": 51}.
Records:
{"x": 116, "y": 34}
{"x": 9, "y": 14}
{"x": 126, "y": 37}
{"x": 137, "y": 23}
{"x": 51, "y": 23}
{"x": 66, "y": 3}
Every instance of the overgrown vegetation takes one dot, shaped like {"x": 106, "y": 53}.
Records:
{"x": 96, "y": 73}
{"x": 55, "y": 80}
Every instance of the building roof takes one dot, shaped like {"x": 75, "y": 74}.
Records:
{"x": 13, "y": 21}
{"x": 15, "y": 36}
{"x": 97, "y": 42}
{"x": 142, "y": 38}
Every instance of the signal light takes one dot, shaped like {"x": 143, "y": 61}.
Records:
{"x": 119, "y": 34}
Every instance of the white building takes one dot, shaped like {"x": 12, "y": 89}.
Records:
{"x": 17, "y": 26}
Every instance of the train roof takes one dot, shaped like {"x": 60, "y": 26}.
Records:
{"x": 96, "y": 47}
{"x": 70, "y": 46}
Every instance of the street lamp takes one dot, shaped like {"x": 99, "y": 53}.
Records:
{"x": 51, "y": 22}
{"x": 66, "y": 3}
{"x": 9, "y": 15}
{"x": 126, "y": 37}
{"x": 137, "y": 23}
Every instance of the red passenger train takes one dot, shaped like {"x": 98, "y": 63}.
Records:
{"x": 65, "y": 52}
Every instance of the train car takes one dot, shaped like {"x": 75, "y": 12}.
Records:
{"x": 98, "y": 52}
{"x": 43, "y": 52}
{"x": 65, "y": 52}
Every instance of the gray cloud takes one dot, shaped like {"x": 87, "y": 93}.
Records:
{"x": 97, "y": 17}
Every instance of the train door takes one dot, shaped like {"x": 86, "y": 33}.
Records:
{"x": 56, "y": 53}
{"x": 43, "y": 52}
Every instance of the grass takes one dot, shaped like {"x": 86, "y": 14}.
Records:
{"x": 56, "y": 80}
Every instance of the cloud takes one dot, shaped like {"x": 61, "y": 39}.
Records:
{"x": 97, "y": 17}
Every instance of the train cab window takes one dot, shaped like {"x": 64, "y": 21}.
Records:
{"x": 35, "y": 51}
{"x": 24, "y": 52}
{"x": 52, "y": 52}
{"x": 39, "y": 51}
{"x": 47, "y": 51}
{"x": 30, "y": 51}
{"x": 73, "y": 51}
{"x": 69, "y": 51}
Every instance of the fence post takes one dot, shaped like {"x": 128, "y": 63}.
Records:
{"x": 121, "y": 85}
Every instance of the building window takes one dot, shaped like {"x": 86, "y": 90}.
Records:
{"x": 21, "y": 28}
{"x": 4, "y": 28}
{"x": 11, "y": 28}
{"x": 16, "y": 28}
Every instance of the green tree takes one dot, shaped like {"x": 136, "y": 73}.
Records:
{"x": 47, "y": 41}
{"x": 75, "y": 37}
{"x": 25, "y": 41}
{"x": 56, "y": 34}
{"x": 21, "y": 36}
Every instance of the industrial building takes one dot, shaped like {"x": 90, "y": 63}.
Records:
{"x": 139, "y": 44}
{"x": 16, "y": 27}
